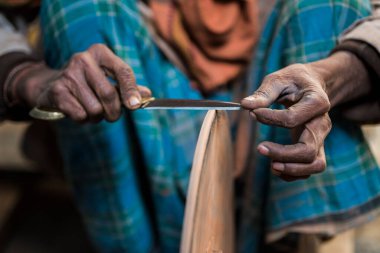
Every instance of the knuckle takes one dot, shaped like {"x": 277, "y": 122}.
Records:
{"x": 97, "y": 46}
{"x": 80, "y": 58}
{"x": 108, "y": 95}
{"x": 61, "y": 105}
{"x": 294, "y": 171}
{"x": 58, "y": 89}
{"x": 114, "y": 117}
{"x": 262, "y": 93}
{"x": 310, "y": 154}
{"x": 70, "y": 78}
{"x": 274, "y": 78}
{"x": 298, "y": 68}
{"x": 95, "y": 109}
{"x": 68, "y": 75}
{"x": 320, "y": 165}
{"x": 321, "y": 100}
{"x": 79, "y": 116}
{"x": 269, "y": 78}
{"x": 290, "y": 170}
{"x": 77, "y": 57}
{"x": 328, "y": 122}
{"x": 326, "y": 103}
{"x": 74, "y": 112}
{"x": 291, "y": 120}
{"x": 126, "y": 73}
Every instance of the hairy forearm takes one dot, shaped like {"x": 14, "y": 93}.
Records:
{"x": 346, "y": 77}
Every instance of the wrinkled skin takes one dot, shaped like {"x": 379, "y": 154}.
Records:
{"x": 308, "y": 92}
{"x": 82, "y": 90}
{"x": 307, "y": 104}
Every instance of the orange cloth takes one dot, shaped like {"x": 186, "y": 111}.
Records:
{"x": 214, "y": 38}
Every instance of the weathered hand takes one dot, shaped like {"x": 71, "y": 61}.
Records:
{"x": 302, "y": 91}
{"x": 81, "y": 90}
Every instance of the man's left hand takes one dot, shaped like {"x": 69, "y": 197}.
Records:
{"x": 302, "y": 92}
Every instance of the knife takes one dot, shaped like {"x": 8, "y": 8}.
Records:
{"x": 150, "y": 104}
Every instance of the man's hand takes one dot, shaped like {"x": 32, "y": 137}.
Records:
{"x": 308, "y": 91}
{"x": 81, "y": 90}
{"x": 302, "y": 91}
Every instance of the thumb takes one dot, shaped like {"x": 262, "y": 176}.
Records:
{"x": 264, "y": 96}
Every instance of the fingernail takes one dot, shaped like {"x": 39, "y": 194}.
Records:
{"x": 133, "y": 101}
{"x": 250, "y": 98}
{"x": 278, "y": 166}
{"x": 253, "y": 115}
{"x": 276, "y": 172}
{"x": 263, "y": 150}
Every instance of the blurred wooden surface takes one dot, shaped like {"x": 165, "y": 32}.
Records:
{"x": 208, "y": 225}
{"x": 11, "y": 157}
{"x": 372, "y": 134}
{"x": 367, "y": 237}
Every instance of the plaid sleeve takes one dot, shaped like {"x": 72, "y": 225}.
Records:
{"x": 306, "y": 38}
{"x": 366, "y": 30}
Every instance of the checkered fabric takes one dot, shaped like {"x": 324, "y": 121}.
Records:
{"x": 130, "y": 177}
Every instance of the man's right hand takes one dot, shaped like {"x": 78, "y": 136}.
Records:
{"x": 81, "y": 90}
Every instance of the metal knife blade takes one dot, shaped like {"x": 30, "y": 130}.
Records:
{"x": 52, "y": 114}
{"x": 189, "y": 104}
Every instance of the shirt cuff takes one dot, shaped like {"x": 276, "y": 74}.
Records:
{"x": 368, "y": 55}
{"x": 366, "y": 30}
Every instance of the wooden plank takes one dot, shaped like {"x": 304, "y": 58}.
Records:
{"x": 11, "y": 136}
{"x": 209, "y": 219}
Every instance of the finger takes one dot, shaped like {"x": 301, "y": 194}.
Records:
{"x": 265, "y": 95}
{"x": 292, "y": 179}
{"x": 307, "y": 147}
{"x": 311, "y": 105}
{"x": 86, "y": 97}
{"x": 287, "y": 177}
{"x": 65, "y": 102}
{"x": 301, "y": 169}
{"x": 144, "y": 91}
{"x": 297, "y": 153}
{"x": 75, "y": 80}
{"x": 124, "y": 75}
{"x": 105, "y": 92}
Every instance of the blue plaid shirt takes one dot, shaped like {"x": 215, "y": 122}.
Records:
{"x": 130, "y": 177}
